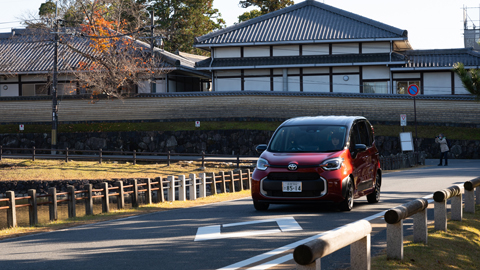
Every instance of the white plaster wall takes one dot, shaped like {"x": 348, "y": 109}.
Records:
{"x": 316, "y": 83}
{"x": 227, "y": 52}
{"x": 256, "y": 72}
{"x": 144, "y": 87}
{"x": 293, "y": 71}
{"x": 376, "y": 47}
{"x": 345, "y": 69}
{"x": 256, "y": 51}
{"x": 350, "y": 86}
{"x": 8, "y": 79}
{"x": 278, "y": 71}
{"x": 315, "y": 70}
{"x": 293, "y": 83}
{"x": 234, "y": 72}
{"x": 459, "y": 89}
{"x": 12, "y": 90}
{"x": 406, "y": 75}
{"x": 375, "y": 72}
{"x": 316, "y": 49}
{"x": 345, "y": 48}
{"x": 438, "y": 83}
{"x": 257, "y": 84}
{"x": 172, "y": 86}
{"x": 161, "y": 86}
{"x": 230, "y": 84}
{"x": 278, "y": 84}
{"x": 287, "y": 50}
{"x": 31, "y": 78}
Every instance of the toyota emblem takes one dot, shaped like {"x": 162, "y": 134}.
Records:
{"x": 292, "y": 166}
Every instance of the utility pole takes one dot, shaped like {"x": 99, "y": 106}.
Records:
{"x": 54, "y": 88}
{"x": 152, "y": 83}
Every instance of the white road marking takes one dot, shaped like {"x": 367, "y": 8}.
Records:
{"x": 214, "y": 232}
{"x": 288, "y": 257}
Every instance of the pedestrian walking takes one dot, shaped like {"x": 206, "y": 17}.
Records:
{"x": 442, "y": 140}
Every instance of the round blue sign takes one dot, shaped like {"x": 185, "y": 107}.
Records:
{"x": 413, "y": 90}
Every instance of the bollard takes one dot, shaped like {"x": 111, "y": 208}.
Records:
{"x": 66, "y": 154}
{"x": 53, "y": 206}
{"x": 203, "y": 161}
{"x": 168, "y": 159}
{"x": 121, "y": 195}
{"x": 238, "y": 161}
{"x": 182, "y": 191}
{"x": 12, "y": 211}
{"x": 472, "y": 190}
{"x": 193, "y": 187}
{"x": 202, "y": 190}
{"x": 308, "y": 255}
{"x": 71, "y": 202}
{"x": 1, "y": 152}
{"x": 32, "y": 210}
{"x": 171, "y": 190}
{"x": 33, "y": 153}
{"x": 440, "y": 210}
{"x": 100, "y": 156}
{"x": 134, "y": 157}
{"x": 89, "y": 200}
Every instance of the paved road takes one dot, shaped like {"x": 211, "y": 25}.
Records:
{"x": 248, "y": 239}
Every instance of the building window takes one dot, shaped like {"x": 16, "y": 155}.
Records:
{"x": 375, "y": 87}
{"x": 402, "y": 86}
{"x": 34, "y": 89}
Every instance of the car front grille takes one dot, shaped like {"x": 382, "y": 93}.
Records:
{"x": 291, "y": 176}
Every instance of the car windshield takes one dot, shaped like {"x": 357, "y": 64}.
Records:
{"x": 313, "y": 138}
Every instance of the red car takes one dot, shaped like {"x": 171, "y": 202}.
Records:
{"x": 318, "y": 159}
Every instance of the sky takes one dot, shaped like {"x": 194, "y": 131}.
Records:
{"x": 431, "y": 24}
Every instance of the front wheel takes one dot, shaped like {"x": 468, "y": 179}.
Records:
{"x": 259, "y": 206}
{"x": 347, "y": 203}
{"x": 374, "y": 197}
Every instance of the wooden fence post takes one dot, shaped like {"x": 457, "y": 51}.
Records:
{"x": 134, "y": 157}
{"x": 249, "y": 177}
{"x": 240, "y": 177}
{"x": 53, "y": 206}
{"x": 71, "y": 202}
{"x": 12, "y": 211}
{"x": 33, "y": 214}
{"x": 168, "y": 158}
{"x": 66, "y": 154}
{"x": 214, "y": 184}
{"x": 160, "y": 195}
{"x": 135, "y": 193}
{"x": 105, "y": 198}
{"x": 193, "y": 187}
{"x": 238, "y": 160}
{"x": 33, "y": 154}
{"x": 100, "y": 156}
{"x": 202, "y": 193}
{"x": 182, "y": 191}
{"x": 171, "y": 190}
{"x": 121, "y": 195}
{"x": 232, "y": 182}
{"x": 89, "y": 200}
{"x": 224, "y": 184}
{"x": 1, "y": 152}
{"x": 148, "y": 196}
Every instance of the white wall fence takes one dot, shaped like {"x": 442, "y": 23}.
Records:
{"x": 357, "y": 234}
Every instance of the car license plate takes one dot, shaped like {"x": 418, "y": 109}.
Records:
{"x": 292, "y": 186}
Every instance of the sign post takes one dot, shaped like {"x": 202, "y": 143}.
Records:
{"x": 403, "y": 121}
{"x": 413, "y": 90}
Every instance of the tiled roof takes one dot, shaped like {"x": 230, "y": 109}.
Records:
{"x": 321, "y": 60}
{"x": 31, "y": 51}
{"x": 309, "y": 21}
{"x": 444, "y": 58}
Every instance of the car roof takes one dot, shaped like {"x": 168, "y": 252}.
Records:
{"x": 322, "y": 120}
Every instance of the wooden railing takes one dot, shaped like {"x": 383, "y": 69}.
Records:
{"x": 134, "y": 156}
{"x": 176, "y": 188}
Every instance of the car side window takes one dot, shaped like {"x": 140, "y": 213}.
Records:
{"x": 363, "y": 132}
{"x": 354, "y": 137}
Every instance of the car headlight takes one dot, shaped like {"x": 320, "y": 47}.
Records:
{"x": 332, "y": 164}
{"x": 262, "y": 164}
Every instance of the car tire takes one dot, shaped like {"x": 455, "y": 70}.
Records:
{"x": 347, "y": 203}
{"x": 374, "y": 197}
{"x": 259, "y": 206}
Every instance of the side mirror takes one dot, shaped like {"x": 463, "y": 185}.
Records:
{"x": 360, "y": 148}
{"x": 260, "y": 148}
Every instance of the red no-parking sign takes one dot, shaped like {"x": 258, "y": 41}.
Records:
{"x": 413, "y": 90}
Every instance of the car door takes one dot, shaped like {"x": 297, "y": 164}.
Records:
{"x": 366, "y": 157}
{"x": 358, "y": 158}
